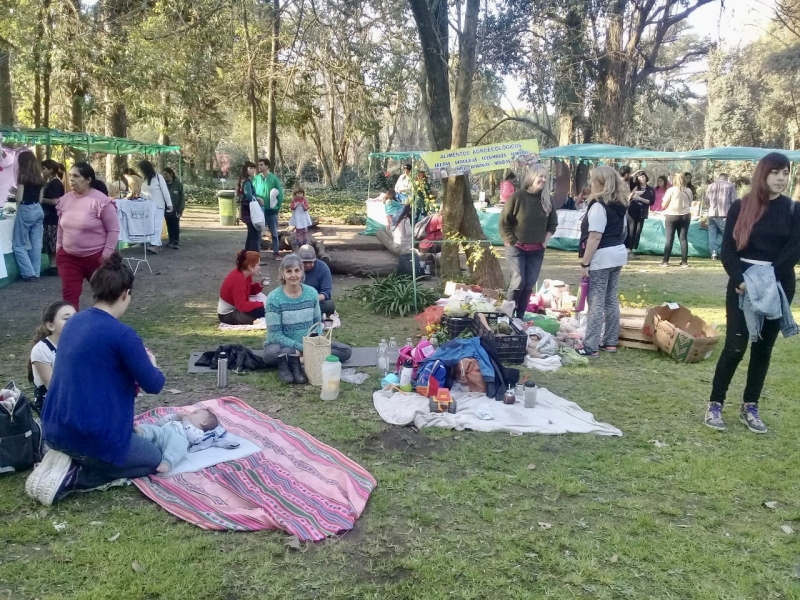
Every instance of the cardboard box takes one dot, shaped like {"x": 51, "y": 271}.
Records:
{"x": 631, "y": 329}
{"x": 680, "y": 334}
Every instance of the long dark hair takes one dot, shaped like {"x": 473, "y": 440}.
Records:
{"x": 112, "y": 279}
{"x": 147, "y": 169}
{"x": 29, "y": 172}
{"x": 756, "y": 201}
{"x": 244, "y": 175}
{"x": 87, "y": 172}
{"x": 56, "y": 168}
{"x": 510, "y": 177}
{"x": 48, "y": 316}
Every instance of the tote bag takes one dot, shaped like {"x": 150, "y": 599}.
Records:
{"x": 256, "y": 215}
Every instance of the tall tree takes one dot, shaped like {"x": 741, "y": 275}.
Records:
{"x": 458, "y": 212}
{"x": 6, "y": 106}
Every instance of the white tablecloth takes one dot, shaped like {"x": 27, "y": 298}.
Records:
{"x": 6, "y": 234}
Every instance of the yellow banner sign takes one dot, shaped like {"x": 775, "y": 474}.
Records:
{"x": 479, "y": 159}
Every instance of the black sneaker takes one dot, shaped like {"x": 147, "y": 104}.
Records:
{"x": 749, "y": 416}
{"x": 53, "y": 479}
{"x": 714, "y": 416}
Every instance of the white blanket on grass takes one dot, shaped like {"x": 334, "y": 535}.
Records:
{"x": 197, "y": 461}
{"x": 552, "y": 415}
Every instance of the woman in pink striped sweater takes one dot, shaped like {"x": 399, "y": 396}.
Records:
{"x": 88, "y": 230}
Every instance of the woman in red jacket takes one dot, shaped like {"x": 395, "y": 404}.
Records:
{"x": 235, "y": 306}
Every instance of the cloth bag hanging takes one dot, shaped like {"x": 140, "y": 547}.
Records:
{"x": 315, "y": 350}
{"x": 257, "y": 215}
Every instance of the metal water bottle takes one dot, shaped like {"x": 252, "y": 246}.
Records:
{"x": 222, "y": 370}
{"x": 583, "y": 291}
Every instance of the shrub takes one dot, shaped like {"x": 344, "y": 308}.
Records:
{"x": 393, "y": 296}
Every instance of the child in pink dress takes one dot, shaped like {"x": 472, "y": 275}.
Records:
{"x": 300, "y": 219}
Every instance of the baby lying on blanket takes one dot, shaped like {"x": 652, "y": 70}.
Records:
{"x": 180, "y": 433}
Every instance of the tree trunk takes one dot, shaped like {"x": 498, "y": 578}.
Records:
{"x": 116, "y": 126}
{"x": 253, "y": 127}
{"x": 6, "y": 107}
{"x": 272, "y": 111}
{"x": 47, "y": 68}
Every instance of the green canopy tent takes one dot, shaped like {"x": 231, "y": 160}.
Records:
{"x": 372, "y": 225}
{"x": 608, "y": 151}
{"x": 86, "y": 142}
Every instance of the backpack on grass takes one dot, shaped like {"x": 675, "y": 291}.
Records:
{"x": 20, "y": 432}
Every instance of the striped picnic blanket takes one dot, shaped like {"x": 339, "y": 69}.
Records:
{"x": 294, "y": 483}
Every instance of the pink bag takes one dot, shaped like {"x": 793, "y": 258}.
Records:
{"x": 423, "y": 350}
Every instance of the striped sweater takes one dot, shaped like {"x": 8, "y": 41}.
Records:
{"x": 289, "y": 319}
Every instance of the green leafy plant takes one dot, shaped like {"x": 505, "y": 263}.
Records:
{"x": 393, "y": 296}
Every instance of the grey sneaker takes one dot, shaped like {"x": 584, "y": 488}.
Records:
{"x": 714, "y": 416}
{"x": 53, "y": 479}
{"x": 749, "y": 416}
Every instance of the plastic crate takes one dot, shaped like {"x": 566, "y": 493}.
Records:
{"x": 510, "y": 348}
{"x": 455, "y": 325}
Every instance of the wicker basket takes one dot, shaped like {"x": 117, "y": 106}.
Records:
{"x": 315, "y": 350}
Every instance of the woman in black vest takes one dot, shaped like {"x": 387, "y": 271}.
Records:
{"x": 603, "y": 254}
{"x": 641, "y": 198}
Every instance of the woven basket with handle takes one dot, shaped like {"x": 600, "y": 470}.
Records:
{"x": 315, "y": 350}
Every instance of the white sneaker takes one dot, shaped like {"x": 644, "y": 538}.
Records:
{"x": 54, "y": 474}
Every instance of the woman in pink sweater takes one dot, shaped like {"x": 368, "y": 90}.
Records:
{"x": 88, "y": 230}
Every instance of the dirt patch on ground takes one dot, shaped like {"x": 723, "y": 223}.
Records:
{"x": 404, "y": 440}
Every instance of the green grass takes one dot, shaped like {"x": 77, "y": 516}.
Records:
{"x": 456, "y": 514}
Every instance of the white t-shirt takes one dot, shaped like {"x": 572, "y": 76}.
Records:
{"x": 41, "y": 353}
{"x": 605, "y": 258}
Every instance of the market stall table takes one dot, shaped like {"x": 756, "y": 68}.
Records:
{"x": 9, "y": 271}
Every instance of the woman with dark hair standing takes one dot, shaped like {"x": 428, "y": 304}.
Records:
{"x": 662, "y": 185}
{"x": 53, "y": 173}
{"x": 507, "y": 187}
{"x": 762, "y": 230}
{"x": 642, "y": 196}
{"x": 247, "y": 193}
{"x": 27, "y": 237}
{"x": 154, "y": 188}
{"x": 178, "y": 203}
{"x": 88, "y": 416}
{"x": 235, "y": 306}
{"x": 527, "y": 222}
{"x": 88, "y": 231}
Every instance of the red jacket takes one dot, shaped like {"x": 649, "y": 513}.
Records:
{"x": 237, "y": 289}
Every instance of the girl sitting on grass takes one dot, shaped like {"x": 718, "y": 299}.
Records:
{"x": 43, "y": 348}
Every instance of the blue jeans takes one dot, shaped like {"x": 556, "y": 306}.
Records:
{"x": 27, "y": 239}
{"x": 143, "y": 459}
{"x": 716, "y": 227}
{"x": 525, "y": 267}
{"x": 272, "y": 223}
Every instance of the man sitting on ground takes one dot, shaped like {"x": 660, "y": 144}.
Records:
{"x": 318, "y": 276}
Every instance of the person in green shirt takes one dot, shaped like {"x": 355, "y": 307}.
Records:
{"x": 173, "y": 217}
{"x": 268, "y": 188}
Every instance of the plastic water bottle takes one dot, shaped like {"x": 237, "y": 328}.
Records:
{"x": 222, "y": 370}
{"x": 394, "y": 354}
{"x": 530, "y": 394}
{"x": 383, "y": 357}
{"x": 331, "y": 377}
{"x": 405, "y": 376}
{"x": 409, "y": 342}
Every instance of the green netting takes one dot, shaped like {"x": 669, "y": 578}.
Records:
{"x": 372, "y": 227}
{"x": 85, "y": 142}
{"x": 415, "y": 154}
{"x": 608, "y": 151}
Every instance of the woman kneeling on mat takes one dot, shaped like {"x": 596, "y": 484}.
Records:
{"x": 235, "y": 306}
{"x": 87, "y": 419}
{"x": 292, "y": 308}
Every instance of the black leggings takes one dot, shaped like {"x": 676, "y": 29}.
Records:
{"x": 635, "y": 227}
{"x": 238, "y": 317}
{"x": 679, "y": 224}
{"x": 736, "y": 338}
{"x": 253, "y": 241}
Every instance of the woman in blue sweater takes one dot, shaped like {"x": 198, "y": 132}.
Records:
{"x": 88, "y": 417}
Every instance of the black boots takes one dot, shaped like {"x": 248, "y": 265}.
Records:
{"x": 297, "y": 369}
{"x": 290, "y": 370}
{"x": 284, "y": 373}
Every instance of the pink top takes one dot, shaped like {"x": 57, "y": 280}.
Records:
{"x": 506, "y": 189}
{"x": 87, "y": 224}
{"x": 659, "y": 197}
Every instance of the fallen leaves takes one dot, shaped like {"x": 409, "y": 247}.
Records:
{"x": 137, "y": 567}
{"x": 787, "y": 530}
{"x": 771, "y": 504}
{"x": 531, "y": 467}
{"x": 293, "y": 542}
{"x": 544, "y": 526}
{"x": 614, "y": 559}
{"x": 114, "y": 537}
{"x": 659, "y": 443}
{"x": 173, "y": 391}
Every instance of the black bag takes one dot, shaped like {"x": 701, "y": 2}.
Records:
{"x": 20, "y": 432}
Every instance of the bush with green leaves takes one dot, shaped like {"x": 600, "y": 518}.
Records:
{"x": 393, "y": 296}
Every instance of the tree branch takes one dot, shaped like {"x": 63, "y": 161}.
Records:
{"x": 529, "y": 122}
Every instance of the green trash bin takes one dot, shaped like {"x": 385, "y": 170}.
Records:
{"x": 227, "y": 208}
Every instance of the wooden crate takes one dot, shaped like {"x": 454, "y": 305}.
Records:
{"x": 631, "y": 322}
